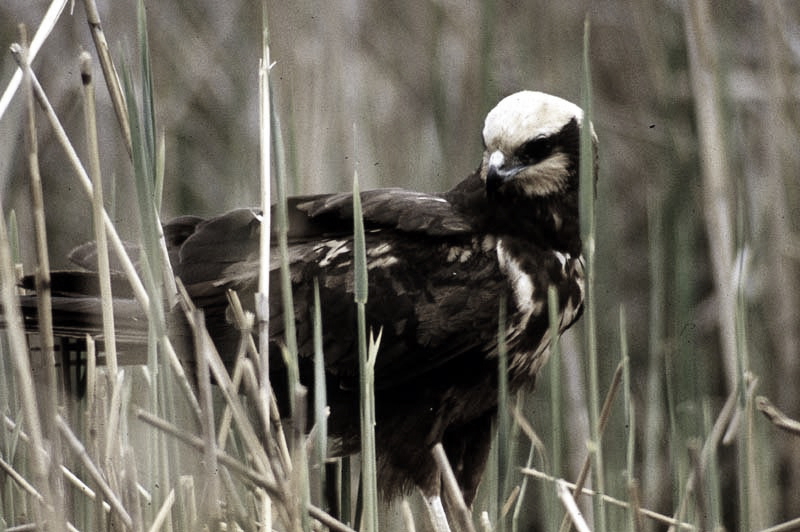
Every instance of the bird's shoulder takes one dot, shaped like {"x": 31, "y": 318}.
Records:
{"x": 385, "y": 208}
{"x": 227, "y": 246}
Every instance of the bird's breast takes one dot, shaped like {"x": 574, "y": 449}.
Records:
{"x": 530, "y": 271}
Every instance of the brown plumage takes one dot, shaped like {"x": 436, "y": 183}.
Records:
{"x": 439, "y": 266}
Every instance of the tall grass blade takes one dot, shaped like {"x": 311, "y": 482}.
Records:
{"x": 748, "y": 490}
{"x": 265, "y": 179}
{"x": 366, "y": 360}
{"x": 503, "y": 417}
{"x": 588, "y": 232}
{"x": 148, "y": 116}
{"x": 146, "y": 207}
{"x": 346, "y": 491}
{"x": 320, "y": 395}
{"x": 282, "y": 229}
{"x": 705, "y": 75}
{"x": 556, "y": 407}
{"x": 713, "y": 488}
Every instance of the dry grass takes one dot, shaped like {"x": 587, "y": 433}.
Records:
{"x": 695, "y": 241}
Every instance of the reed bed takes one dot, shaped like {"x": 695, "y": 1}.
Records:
{"x": 650, "y": 414}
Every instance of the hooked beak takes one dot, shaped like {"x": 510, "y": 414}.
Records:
{"x": 497, "y": 173}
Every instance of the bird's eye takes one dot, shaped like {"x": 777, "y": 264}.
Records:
{"x": 535, "y": 150}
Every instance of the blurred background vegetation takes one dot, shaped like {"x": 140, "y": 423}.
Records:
{"x": 400, "y": 89}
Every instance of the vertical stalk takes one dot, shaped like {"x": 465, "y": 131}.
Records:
{"x": 366, "y": 362}
{"x": 103, "y": 269}
{"x": 42, "y": 271}
{"x": 556, "y": 404}
{"x": 262, "y": 297}
{"x": 503, "y": 419}
{"x": 54, "y": 514}
{"x": 588, "y": 232}
{"x": 320, "y": 396}
{"x": 110, "y": 73}
{"x": 704, "y": 73}
{"x": 23, "y": 377}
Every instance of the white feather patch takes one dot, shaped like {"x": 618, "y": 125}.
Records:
{"x": 521, "y": 283}
{"x": 524, "y": 115}
{"x": 574, "y": 269}
{"x": 379, "y": 256}
{"x": 334, "y": 249}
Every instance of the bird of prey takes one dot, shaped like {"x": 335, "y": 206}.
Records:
{"x": 440, "y": 266}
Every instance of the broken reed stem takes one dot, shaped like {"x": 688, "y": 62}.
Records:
{"x": 452, "y": 490}
{"x": 571, "y": 506}
{"x": 44, "y": 300}
{"x": 116, "y": 242}
{"x": 223, "y": 379}
{"x": 68, "y": 475}
{"x": 227, "y": 417}
{"x": 605, "y": 414}
{"x": 247, "y": 473}
{"x": 276, "y": 444}
{"x": 103, "y": 268}
{"x": 109, "y": 72}
{"x": 55, "y": 508}
{"x": 328, "y": 520}
{"x": 45, "y": 28}
{"x": 788, "y": 526}
{"x": 83, "y": 178}
{"x": 246, "y": 368}
{"x": 94, "y": 471}
{"x": 42, "y": 270}
{"x": 712, "y": 441}
{"x": 509, "y": 502}
{"x": 83, "y": 487}
{"x": 21, "y": 362}
{"x": 163, "y": 512}
{"x": 778, "y": 418}
{"x": 211, "y": 508}
{"x": 20, "y": 480}
{"x": 610, "y": 500}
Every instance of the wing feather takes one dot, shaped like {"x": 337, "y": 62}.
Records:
{"x": 430, "y": 307}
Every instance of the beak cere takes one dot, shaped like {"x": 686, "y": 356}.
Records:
{"x": 497, "y": 174}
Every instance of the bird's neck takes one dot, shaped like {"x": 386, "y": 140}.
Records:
{"x": 550, "y": 222}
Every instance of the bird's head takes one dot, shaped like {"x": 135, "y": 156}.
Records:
{"x": 532, "y": 142}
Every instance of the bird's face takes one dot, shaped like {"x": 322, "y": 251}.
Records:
{"x": 532, "y": 145}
